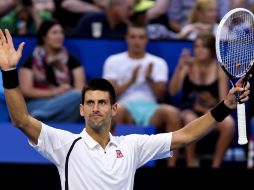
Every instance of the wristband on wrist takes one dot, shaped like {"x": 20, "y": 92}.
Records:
{"x": 220, "y": 111}
{"x": 10, "y": 78}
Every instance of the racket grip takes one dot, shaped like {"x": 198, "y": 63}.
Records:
{"x": 241, "y": 119}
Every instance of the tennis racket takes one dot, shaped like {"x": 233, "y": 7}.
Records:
{"x": 235, "y": 53}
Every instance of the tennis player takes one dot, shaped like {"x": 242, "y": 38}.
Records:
{"x": 94, "y": 159}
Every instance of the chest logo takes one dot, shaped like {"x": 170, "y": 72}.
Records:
{"x": 119, "y": 154}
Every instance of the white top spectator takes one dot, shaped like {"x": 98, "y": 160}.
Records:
{"x": 120, "y": 67}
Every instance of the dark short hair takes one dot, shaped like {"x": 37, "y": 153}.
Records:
{"x": 102, "y": 85}
{"x": 44, "y": 28}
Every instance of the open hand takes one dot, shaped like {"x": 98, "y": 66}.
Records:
{"x": 9, "y": 57}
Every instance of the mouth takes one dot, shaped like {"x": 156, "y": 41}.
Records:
{"x": 95, "y": 116}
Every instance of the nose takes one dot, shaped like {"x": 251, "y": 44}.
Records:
{"x": 96, "y": 107}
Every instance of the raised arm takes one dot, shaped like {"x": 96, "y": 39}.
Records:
{"x": 181, "y": 71}
{"x": 198, "y": 128}
{"x": 9, "y": 58}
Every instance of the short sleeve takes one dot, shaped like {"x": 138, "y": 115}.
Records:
{"x": 160, "y": 71}
{"x": 152, "y": 147}
{"x": 27, "y": 63}
{"x": 109, "y": 69}
{"x": 73, "y": 62}
{"x": 53, "y": 144}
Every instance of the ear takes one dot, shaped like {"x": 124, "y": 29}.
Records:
{"x": 81, "y": 110}
{"x": 114, "y": 109}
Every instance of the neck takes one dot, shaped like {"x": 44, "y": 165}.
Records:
{"x": 51, "y": 51}
{"x": 135, "y": 55}
{"x": 204, "y": 63}
{"x": 102, "y": 137}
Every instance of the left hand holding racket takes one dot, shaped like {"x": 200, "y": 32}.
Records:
{"x": 231, "y": 100}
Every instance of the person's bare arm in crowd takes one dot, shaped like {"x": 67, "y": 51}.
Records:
{"x": 200, "y": 127}
{"x": 77, "y": 6}
{"x": 158, "y": 88}
{"x": 79, "y": 78}
{"x": 29, "y": 91}
{"x": 120, "y": 89}
{"x": 181, "y": 71}
{"x": 9, "y": 58}
{"x": 6, "y": 5}
{"x": 158, "y": 9}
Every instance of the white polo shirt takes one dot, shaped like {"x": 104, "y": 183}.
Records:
{"x": 93, "y": 168}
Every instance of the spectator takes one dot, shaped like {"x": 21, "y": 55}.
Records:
{"x": 27, "y": 17}
{"x": 203, "y": 18}
{"x": 51, "y": 78}
{"x": 140, "y": 81}
{"x": 227, "y": 5}
{"x": 75, "y": 9}
{"x": 112, "y": 23}
{"x": 178, "y": 12}
{"x": 203, "y": 85}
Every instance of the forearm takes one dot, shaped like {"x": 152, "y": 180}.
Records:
{"x": 39, "y": 93}
{"x": 79, "y": 6}
{"x": 158, "y": 9}
{"x": 176, "y": 82}
{"x": 120, "y": 89}
{"x": 193, "y": 131}
{"x": 198, "y": 128}
{"x": 16, "y": 106}
{"x": 158, "y": 89}
{"x": 6, "y": 5}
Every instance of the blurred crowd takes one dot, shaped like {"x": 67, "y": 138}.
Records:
{"x": 52, "y": 77}
{"x": 165, "y": 19}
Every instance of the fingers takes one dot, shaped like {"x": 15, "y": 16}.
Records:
{"x": 240, "y": 82}
{"x": 2, "y": 38}
{"x": 20, "y": 48}
{"x": 9, "y": 38}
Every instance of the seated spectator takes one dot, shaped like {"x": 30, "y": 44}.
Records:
{"x": 203, "y": 18}
{"x": 178, "y": 13}
{"x": 75, "y": 9}
{"x": 203, "y": 85}
{"x": 140, "y": 81}
{"x": 111, "y": 24}
{"x": 51, "y": 78}
{"x": 26, "y": 17}
{"x": 227, "y": 5}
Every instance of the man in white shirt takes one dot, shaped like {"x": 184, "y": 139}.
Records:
{"x": 140, "y": 80}
{"x": 95, "y": 159}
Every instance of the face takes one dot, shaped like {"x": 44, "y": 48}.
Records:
{"x": 97, "y": 110}
{"x": 209, "y": 13}
{"x": 55, "y": 37}
{"x": 137, "y": 40}
{"x": 201, "y": 51}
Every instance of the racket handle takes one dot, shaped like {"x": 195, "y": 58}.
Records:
{"x": 241, "y": 119}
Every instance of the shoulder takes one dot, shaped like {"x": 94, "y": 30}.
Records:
{"x": 156, "y": 58}
{"x": 116, "y": 57}
{"x": 49, "y": 132}
{"x": 27, "y": 63}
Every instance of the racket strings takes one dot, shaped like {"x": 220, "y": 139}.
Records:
{"x": 237, "y": 44}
